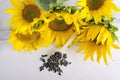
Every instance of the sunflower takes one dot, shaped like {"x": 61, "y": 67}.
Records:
{"x": 97, "y": 9}
{"x": 98, "y": 42}
{"x": 59, "y": 28}
{"x": 101, "y": 34}
{"x": 24, "y": 13}
{"x": 26, "y": 41}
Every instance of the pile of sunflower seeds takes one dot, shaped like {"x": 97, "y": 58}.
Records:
{"x": 53, "y": 62}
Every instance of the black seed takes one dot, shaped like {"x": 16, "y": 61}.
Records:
{"x": 65, "y": 63}
{"x": 45, "y": 65}
{"x": 49, "y": 60}
{"x": 44, "y": 55}
{"x": 70, "y": 62}
{"x": 64, "y": 55}
{"x": 59, "y": 73}
{"x": 43, "y": 60}
{"x": 54, "y": 70}
{"x": 58, "y": 55}
{"x": 41, "y": 68}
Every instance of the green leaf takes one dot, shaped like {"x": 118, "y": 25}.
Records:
{"x": 39, "y": 23}
{"x": 43, "y": 4}
{"x": 114, "y": 37}
{"x": 73, "y": 9}
{"x": 48, "y": 4}
{"x": 52, "y": 5}
{"x": 60, "y": 2}
{"x": 53, "y": 1}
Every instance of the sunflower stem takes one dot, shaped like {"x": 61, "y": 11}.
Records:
{"x": 69, "y": 41}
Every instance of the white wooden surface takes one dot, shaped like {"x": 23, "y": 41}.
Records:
{"x": 20, "y": 66}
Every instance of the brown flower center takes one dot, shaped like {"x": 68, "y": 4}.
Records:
{"x": 29, "y": 38}
{"x": 59, "y": 25}
{"x": 30, "y": 12}
{"x": 95, "y": 4}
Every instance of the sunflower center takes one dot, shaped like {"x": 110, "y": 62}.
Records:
{"x": 30, "y": 12}
{"x": 59, "y": 25}
{"x": 95, "y": 4}
{"x": 29, "y": 38}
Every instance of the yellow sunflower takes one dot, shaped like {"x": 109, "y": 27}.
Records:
{"x": 59, "y": 28}
{"x": 97, "y": 9}
{"x": 69, "y": 18}
{"x": 24, "y": 13}
{"x": 96, "y": 39}
{"x": 26, "y": 41}
{"x": 97, "y": 33}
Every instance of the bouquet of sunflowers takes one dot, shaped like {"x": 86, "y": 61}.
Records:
{"x": 40, "y": 23}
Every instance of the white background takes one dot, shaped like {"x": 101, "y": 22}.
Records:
{"x": 20, "y": 66}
